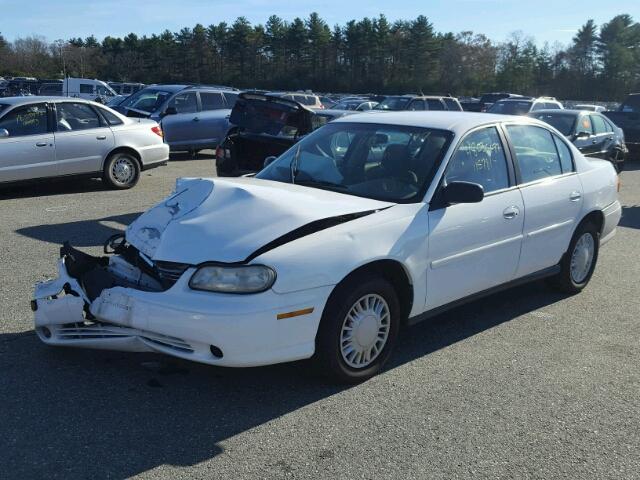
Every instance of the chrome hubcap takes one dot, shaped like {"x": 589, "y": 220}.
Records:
{"x": 365, "y": 331}
{"x": 582, "y": 258}
{"x": 123, "y": 170}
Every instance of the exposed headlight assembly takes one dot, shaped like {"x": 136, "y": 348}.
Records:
{"x": 233, "y": 279}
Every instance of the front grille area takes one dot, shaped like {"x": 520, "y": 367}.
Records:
{"x": 170, "y": 272}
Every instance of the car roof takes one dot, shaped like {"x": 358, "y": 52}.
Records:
{"x": 457, "y": 122}
{"x": 38, "y": 99}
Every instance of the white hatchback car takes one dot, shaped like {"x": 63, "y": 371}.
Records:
{"x": 368, "y": 223}
{"x": 44, "y": 137}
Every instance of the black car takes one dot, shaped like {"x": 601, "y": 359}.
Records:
{"x": 591, "y": 132}
{"x": 265, "y": 125}
{"x": 627, "y": 117}
{"x": 418, "y": 102}
{"x": 488, "y": 99}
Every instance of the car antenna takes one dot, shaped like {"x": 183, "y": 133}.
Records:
{"x": 294, "y": 166}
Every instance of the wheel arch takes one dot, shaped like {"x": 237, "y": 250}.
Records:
{"x": 594, "y": 216}
{"x": 394, "y": 272}
{"x": 124, "y": 149}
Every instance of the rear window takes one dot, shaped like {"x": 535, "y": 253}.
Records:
{"x": 211, "y": 101}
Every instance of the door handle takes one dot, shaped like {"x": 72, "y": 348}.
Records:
{"x": 511, "y": 212}
{"x": 575, "y": 196}
{"x": 594, "y": 141}
{"x": 196, "y": 119}
{"x": 101, "y": 137}
{"x": 41, "y": 144}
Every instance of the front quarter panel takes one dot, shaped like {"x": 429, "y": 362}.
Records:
{"x": 325, "y": 258}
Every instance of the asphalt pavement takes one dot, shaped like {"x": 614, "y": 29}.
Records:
{"x": 526, "y": 384}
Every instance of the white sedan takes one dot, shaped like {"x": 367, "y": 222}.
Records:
{"x": 370, "y": 223}
{"x": 46, "y": 137}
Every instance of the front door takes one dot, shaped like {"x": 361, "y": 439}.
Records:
{"x": 83, "y": 140}
{"x": 178, "y": 127}
{"x": 28, "y": 152}
{"x": 475, "y": 246}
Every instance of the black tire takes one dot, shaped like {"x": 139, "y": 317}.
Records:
{"x": 328, "y": 358}
{"x": 121, "y": 171}
{"x": 565, "y": 281}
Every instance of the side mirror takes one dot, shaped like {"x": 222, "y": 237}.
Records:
{"x": 4, "y": 133}
{"x": 171, "y": 111}
{"x": 583, "y": 134}
{"x": 268, "y": 161}
{"x": 463, "y": 192}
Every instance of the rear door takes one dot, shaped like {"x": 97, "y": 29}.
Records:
{"x": 552, "y": 195}
{"x": 211, "y": 127}
{"x": 28, "y": 152}
{"x": 179, "y": 128}
{"x": 83, "y": 139}
{"x": 602, "y": 137}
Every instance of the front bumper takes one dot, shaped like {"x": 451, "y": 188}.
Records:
{"x": 180, "y": 322}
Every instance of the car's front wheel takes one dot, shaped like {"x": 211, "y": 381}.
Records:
{"x": 358, "y": 330}
{"x": 578, "y": 264}
{"x": 121, "y": 171}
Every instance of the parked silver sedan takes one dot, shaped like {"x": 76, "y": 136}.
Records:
{"x": 44, "y": 137}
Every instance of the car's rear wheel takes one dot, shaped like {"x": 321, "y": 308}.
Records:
{"x": 121, "y": 171}
{"x": 578, "y": 264}
{"x": 358, "y": 329}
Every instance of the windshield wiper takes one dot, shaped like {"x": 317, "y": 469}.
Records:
{"x": 323, "y": 184}
{"x": 294, "y": 166}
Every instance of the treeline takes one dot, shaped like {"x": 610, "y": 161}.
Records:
{"x": 370, "y": 55}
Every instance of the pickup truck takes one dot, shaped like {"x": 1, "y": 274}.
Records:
{"x": 627, "y": 117}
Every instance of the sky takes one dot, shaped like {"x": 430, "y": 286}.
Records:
{"x": 545, "y": 20}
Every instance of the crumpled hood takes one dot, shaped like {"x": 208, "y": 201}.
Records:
{"x": 226, "y": 220}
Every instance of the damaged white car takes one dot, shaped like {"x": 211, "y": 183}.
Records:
{"x": 369, "y": 223}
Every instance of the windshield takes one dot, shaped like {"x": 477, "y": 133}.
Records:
{"x": 148, "y": 100}
{"x": 383, "y": 162}
{"x": 563, "y": 122}
{"x": 393, "y": 103}
{"x": 511, "y": 108}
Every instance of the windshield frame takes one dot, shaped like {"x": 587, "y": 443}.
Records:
{"x": 418, "y": 197}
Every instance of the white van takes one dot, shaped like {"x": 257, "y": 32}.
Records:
{"x": 95, "y": 90}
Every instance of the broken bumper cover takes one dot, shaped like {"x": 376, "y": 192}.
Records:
{"x": 180, "y": 321}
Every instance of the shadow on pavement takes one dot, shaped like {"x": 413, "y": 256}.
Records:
{"x": 52, "y": 187}
{"x": 83, "y": 233}
{"x": 630, "y": 217}
{"x": 91, "y": 414}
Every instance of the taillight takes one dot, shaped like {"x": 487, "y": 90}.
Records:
{"x": 219, "y": 153}
{"x": 158, "y": 131}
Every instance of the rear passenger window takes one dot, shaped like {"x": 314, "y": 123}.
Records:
{"x": 598, "y": 124}
{"x": 86, "y": 88}
{"x": 416, "y": 105}
{"x": 535, "y": 152}
{"x": 434, "y": 104}
{"x": 451, "y": 104}
{"x": 480, "y": 159}
{"x": 76, "y": 116}
{"x": 565, "y": 155}
{"x": 211, "y": 101}
{"x": 185, "y": 103}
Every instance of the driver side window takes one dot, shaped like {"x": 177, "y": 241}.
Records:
{"x": 480, "y": 159}
{"x": 185, "y": 103}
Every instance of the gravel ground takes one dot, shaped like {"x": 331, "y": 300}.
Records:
{"x": 524, "y": 384}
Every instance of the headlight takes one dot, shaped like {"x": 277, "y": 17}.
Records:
{"x": 240, "y": 279}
